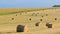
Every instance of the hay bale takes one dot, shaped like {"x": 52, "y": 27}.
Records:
{"x": 12, "y": 18}
{"x": 49, "y": 25}
{"x": 16, "y": 14}
{"x": 40, "y": 19}
{"x": 20, "y": 13}
{"x": 21, "y": 28}
{"x": 32, "y": 14}
{"x": 55, "y": 18}
{"x": 37, "y": 24}
{"x": 30, "y": 19}
{"x": 42, "y": 16}
{"x": 35, "y": 14}
{"x": 46, "y": 14}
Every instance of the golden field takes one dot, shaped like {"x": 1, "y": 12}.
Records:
{"x": 8, "y": 26}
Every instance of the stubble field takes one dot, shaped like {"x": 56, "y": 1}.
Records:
{"x": 8, "y": 26}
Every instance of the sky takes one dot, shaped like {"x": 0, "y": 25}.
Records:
{"x": 28, "y": 3}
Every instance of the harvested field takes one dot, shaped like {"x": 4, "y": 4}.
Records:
{"x": 7, "y": 25}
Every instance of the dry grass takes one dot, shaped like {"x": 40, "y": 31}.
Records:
{"x": 9, "y": 26}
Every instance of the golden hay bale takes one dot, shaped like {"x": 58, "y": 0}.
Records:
{"x": 46, "y": 14}
{"x": 25, "y": 29}
{"x": 40, "y": 19}
{"x": 37, "y": 24}
{"x": 21, "y": 28}
{"x": 12, "y": 18}
{"x": 30, "y": 19}
{"x": 42, "y": 16}
{"x": 35, "y": 14}
{"x": 49, "y": 25}
{"x": 32, "y": 14}
{"x": 16, "y": 14}
{"x": 55, "y": 18}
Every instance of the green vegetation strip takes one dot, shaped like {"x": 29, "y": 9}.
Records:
{"x": 36, "y": 9}
{"x": 14, "y": 12}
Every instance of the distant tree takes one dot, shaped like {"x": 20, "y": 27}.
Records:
{"x": 56, "y": 6}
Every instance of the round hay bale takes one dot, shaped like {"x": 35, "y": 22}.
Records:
{"x": 32, "y": 14}
{"x": 46, "y": 14}
{"x": 35, "y": 14}
{"x": 37, "y": 24}
{"x": 16, "y": 14}
{"x": 49, "y": 25}
{"x": 21, "y": 28}
{"x": 42, "y": 16}
{"x": 12, "y": 18}
{"x": 25, "y": 28}
{"x": 55, "y": 18}
{"x": 30, "y": 19}
{"x": 40, "y": 19}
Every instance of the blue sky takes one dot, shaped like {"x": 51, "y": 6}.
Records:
{"x": 27, "y": 3}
